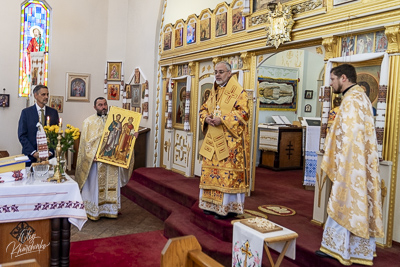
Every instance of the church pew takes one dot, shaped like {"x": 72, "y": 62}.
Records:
{"x": 23, "y": 263}
{"x": 185, "y": 251}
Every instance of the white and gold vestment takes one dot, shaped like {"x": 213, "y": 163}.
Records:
{"x": 98, "y": 181}
{"x": 351, "y": 162}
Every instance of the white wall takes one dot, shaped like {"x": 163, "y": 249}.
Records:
{"x": 9, "y": 65}
{"x": 84, "y": 36}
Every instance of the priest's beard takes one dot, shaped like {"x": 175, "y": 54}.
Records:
{"x": 102, "y": 112}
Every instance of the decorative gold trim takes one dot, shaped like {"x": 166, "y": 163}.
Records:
{"x": 192, "y": 68}
{"x": 161, "y": 71}
{"x": 317, "y": 223}
{"x": 331, "y": 47}
{"x": 393, "y": 36}
{"x": 246, "y": 58}
{"x": 280, "y": 25}
{"x": 391, "y": 137}
{"x": 164, "y": 72}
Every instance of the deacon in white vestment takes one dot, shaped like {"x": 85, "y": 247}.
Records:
{"x": 351, "y": 162}
{"x": 100, "y": 182}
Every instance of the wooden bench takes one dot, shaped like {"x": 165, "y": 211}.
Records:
{"x": 185, "y": 251}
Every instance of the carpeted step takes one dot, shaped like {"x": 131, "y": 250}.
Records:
{"x": 150, "y": 200}
{"x": 181, "y": 189}
{"x": 221, "y": 229}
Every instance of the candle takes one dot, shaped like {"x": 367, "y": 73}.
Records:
{"x": 48, "y": 120}
{"x": 60, "y": 124}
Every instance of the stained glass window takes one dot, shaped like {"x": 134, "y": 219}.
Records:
{"x": 35, "y": 25}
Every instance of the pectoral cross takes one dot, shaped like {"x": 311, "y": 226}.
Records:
{"x": 245, "y": 250}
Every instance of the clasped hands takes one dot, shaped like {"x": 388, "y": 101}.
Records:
{"x": 213, "y": 121}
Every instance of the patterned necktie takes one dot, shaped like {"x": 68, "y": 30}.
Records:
{"x": 42, "y": 116}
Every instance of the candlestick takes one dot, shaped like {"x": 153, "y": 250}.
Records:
{"x": 48, "y": 120}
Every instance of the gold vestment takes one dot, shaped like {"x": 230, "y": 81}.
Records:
{"x": 230, "y": 174}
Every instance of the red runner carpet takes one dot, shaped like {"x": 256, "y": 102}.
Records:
{"x": 142, "y": 249}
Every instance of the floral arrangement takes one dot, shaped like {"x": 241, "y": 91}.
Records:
{"x": 67, "y": 138}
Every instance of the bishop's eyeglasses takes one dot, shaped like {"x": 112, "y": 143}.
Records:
{"x": 220, "y": 72}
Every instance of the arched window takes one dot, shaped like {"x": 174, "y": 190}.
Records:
{"x": 35, "y": 25}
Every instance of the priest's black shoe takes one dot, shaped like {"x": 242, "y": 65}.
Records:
{"x": 224, "y": 217}
{"x": 221, "y": 217}
{"x": 207, "y": 212}
{"x": 321, "y": 254}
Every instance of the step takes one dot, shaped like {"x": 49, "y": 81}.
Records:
{"x": 181, "y": 189}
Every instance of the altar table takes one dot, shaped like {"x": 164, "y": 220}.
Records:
{"x": 35, "y": 217}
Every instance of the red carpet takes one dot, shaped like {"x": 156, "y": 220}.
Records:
{"x": 173, "y": 198}
{"x": 142, "y": 249}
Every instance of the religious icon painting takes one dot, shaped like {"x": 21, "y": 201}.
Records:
{"x": 205, "y": 29}
{"x": 365, "y": 43}
{"x": 77, "y": 87}
{"x": 340, "y": 2}
{"x": 277, "y": 94}
{"x": 238, "y": 21}
{"x": 118, "y": 139}
{"x": 180, "y": 101}
{"x": 307, "y": 108}
{"x": 381, "y": 42}
{"x": 136, "y": 90}
{"x": 57, "y": 102}
{"x": 137, "y": 76}
{"x": 167, "y": 40}
{"x": 262, "y": 4}
{"x": 220, "y": 24}
{"x": 191, "y": 33}
{"x": 4, "y": 100}
{"x": 308, "y": 94}
{"x": 113, "y": 91}
{"x": 114, "y": 71}
{"x": 128, "y": 91}
{"x": 178, "y": 37}
{"x": 180, "y": 70}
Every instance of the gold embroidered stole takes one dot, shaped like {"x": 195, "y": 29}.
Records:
{"x": 214, "y": 140}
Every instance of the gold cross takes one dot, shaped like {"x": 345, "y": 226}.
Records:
{"x": 245, "y": 250}
{"x": 230, "y": 94}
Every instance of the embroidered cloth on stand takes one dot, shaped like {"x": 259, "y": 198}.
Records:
{"x": 247, "y": 245}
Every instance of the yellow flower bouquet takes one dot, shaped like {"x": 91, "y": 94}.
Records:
{"x": 67, "y": 138}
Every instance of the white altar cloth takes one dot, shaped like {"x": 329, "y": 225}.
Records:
{"x": 36, "y": 199}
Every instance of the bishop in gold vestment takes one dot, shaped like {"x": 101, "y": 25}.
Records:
{"x": 98, "y": 181}
{"x": 351, "y": 162}
{"x": 225, "y": 149}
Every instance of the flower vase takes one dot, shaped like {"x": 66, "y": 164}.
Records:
{"x": 63, "y": 163}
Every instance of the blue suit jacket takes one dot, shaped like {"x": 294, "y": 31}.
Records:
{"x": 27, "y": 128}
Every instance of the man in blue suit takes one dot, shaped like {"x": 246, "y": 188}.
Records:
{"x": 27, "y": 128}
